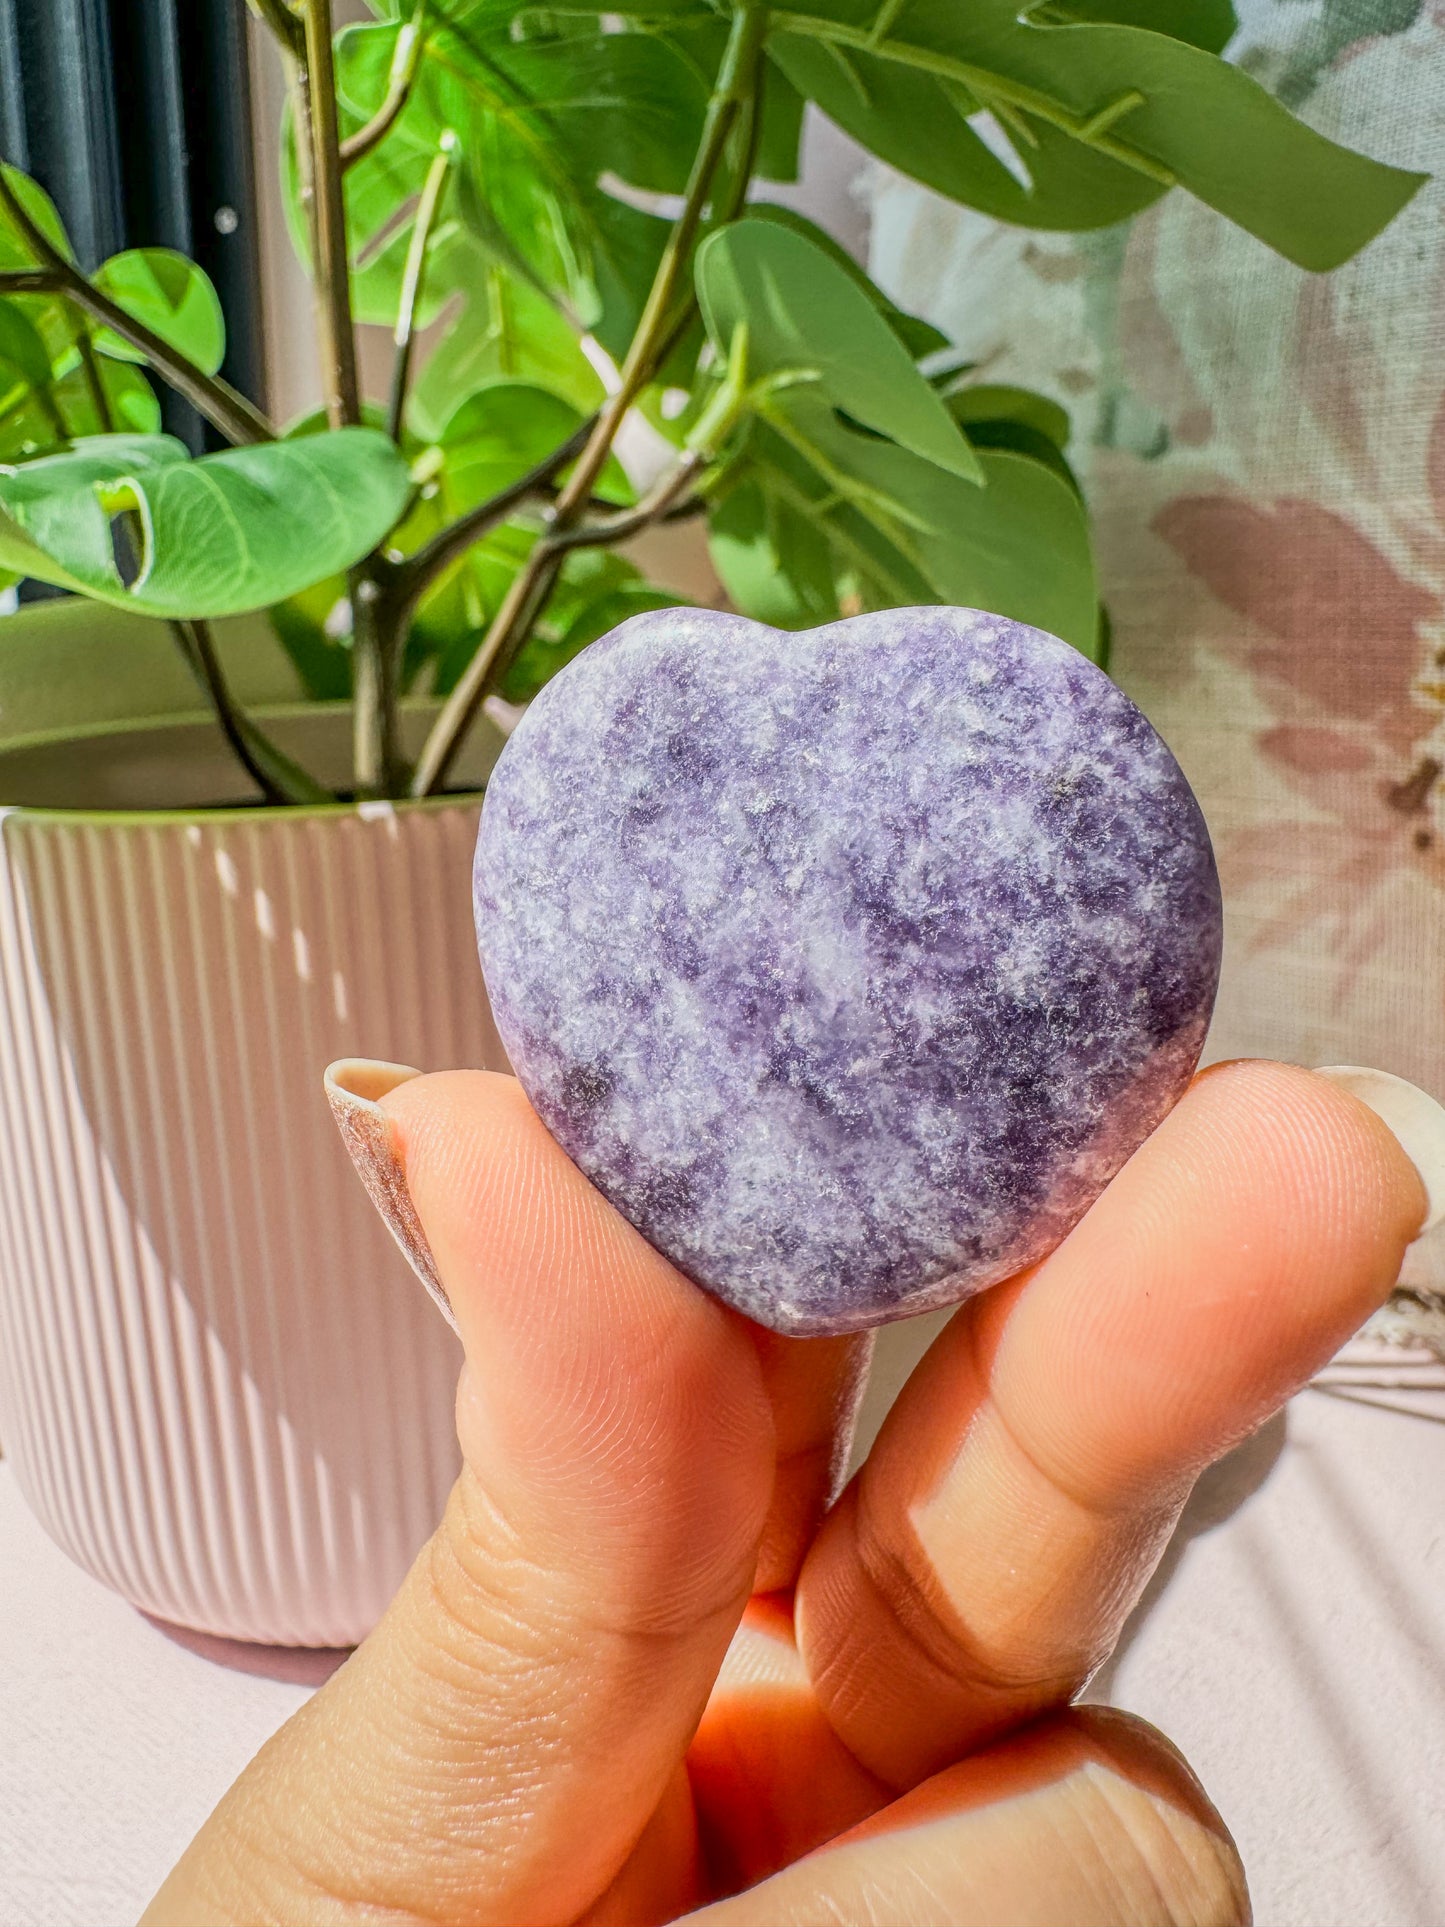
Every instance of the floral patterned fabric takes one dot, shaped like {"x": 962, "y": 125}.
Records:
{"x": 1264, "y": 454}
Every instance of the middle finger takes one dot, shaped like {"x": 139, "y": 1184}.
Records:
{"x": 981, "y": 1564}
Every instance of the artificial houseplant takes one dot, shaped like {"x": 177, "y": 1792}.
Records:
{"x": 213, "y": 1388}
{"x": 496, "y": 177}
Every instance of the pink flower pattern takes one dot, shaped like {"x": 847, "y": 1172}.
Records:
{"x": 1336, "y": 641}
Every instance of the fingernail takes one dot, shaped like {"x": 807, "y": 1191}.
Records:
{"x": 1414, "y": 1117}
{"x": 353, "y": 1087}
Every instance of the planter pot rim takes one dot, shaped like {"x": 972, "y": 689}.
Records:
{"x": 101, "y": 721}
{"x": 368, "y": 808}
{"x": 192, "y": 740}
{"x": 162, "y": 720}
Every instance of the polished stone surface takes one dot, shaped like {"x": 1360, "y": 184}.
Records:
{"x": 849, "y": 965}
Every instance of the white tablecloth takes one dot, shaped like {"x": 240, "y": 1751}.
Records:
{"x": 1293, "y": 1644}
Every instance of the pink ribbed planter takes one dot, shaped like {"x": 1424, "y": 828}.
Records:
{"x": 221, "y": 1390}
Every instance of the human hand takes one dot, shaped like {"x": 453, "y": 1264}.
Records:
{"x": 642, "y": 1672}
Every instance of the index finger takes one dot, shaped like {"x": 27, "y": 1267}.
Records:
{"x": 982, "y": 1563}
{"x": 515, "y": 1723}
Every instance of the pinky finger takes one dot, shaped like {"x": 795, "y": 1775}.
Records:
{"x": 1090, "y": 1818}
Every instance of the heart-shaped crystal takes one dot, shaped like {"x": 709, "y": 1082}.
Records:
{"x": 850, "y": 965}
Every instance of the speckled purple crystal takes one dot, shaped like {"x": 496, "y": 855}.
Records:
{"x": 850, "y": 965}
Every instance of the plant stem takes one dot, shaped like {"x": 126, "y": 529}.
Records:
{"x": 227, "y": 410}
{"x": 412, "y": 577}
{"x": 405, "y": 65}
{"x": 274, "y": 774}
{"x": 655, "y": 506}
{"x": 395, "y": 588}
{"x": 527, "y": 595}
{"x": 521, "y": 605}
{"x": 330, "y": 264}
{"x": 414, "y": 277}
{"x": 313, "y": 97}
{"x": 30, "y": 281}
{"x": 520, "y": 608}
{"x": 746, "y": 135}
{"x": 736, "y": 75}
{"x": 282, "y": 22}
{"x": 373, "y": 655}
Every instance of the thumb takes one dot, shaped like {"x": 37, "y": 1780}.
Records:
{"x": 496, "y": 1748}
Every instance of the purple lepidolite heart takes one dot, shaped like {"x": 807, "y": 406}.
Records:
{"x": 849, "y": 965}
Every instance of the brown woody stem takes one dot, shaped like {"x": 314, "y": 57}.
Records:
{"x": 415, "y": 575}
{"x": 227, "y": 410}
{"x": 330, "y": 265}
{"x": 520, "y": 608}
{"x": 274, "y": 774}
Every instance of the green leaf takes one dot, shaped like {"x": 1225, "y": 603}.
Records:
{"x": 455, "y": 617}
{"x": 774, "y": 560}
{"x": 1018, "y": 546}
{"x": 633, "y": 106}
{"x": 381, "y": 192}
{"x": 780, "y": 137}
{"x": 997, "y": 415}
{"x": 130, "y": 399}
{"x": 919, "y": 123}
{"x": 492, "y": 439}
{"x": 546, "y": 109}
{"x": 539, "y": 117}
{"x": 316, "y": 421}
{"x": 1101, "y": 119}
{"x": 586, "y": 575}
{"x": 806, "y": 315}
{"x": 868, "y": 547}
{"x": 506, "y": 330}
{"x": 226, "y": 533}
{"x": 15, "y": 250}
{"x": 983, "y": 402}
{"x": 172, "y": 296}
{"x": 920, "y": 338}
{"x": 53, "y": 506}
{"x": 700, "y": 34}
{"x": 623, "y": 267}
{"x": 28, "y": 429}
{"x": 46, "y": 397}
{"x": 30, "y": 418}
{"x": 504, "y": 429}
{"x": 1023, "y": 440}
{"x": 24, "y": 360}
{"x": 1203, "y": 23}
